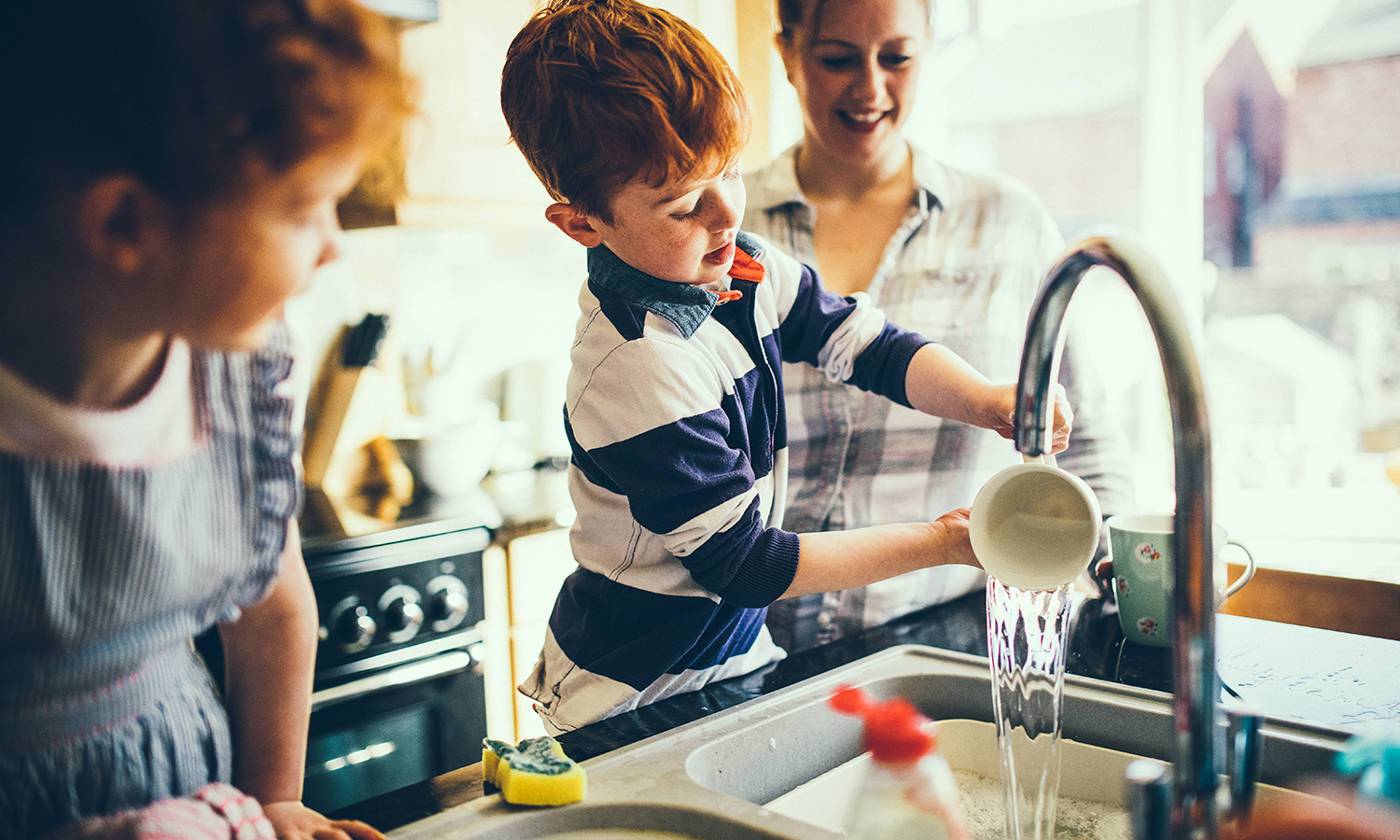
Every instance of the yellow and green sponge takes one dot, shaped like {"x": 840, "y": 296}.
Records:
{"x": 534, "y": 772}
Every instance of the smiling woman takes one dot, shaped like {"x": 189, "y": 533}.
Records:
{"x": 1224, "y": 150}
{"x": 956, "y": 254}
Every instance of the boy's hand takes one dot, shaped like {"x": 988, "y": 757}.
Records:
{"x": 999, "y": 411}
{"x": 295, "y": 821}
{"x": 954, "y": 538}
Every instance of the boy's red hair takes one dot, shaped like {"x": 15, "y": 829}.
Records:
{"x": 599, "y": 92}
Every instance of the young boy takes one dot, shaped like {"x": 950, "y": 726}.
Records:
{"x": 674, "y": 408}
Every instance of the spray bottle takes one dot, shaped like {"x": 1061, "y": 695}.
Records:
{"x": 909, "y": 791}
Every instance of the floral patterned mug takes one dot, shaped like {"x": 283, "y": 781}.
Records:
{"x": 1142, "y": 552}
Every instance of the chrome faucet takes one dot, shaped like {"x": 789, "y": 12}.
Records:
{"x": 1186, "y": 803}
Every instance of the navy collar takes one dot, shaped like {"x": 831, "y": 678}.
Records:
{"x": 683, "y": 305}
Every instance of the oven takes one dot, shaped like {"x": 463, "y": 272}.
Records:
{"x": 399, "y": 692}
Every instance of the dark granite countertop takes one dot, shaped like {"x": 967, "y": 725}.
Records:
{"x": 1319, "y": 676}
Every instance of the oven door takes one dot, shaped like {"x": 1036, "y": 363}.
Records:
{"x": 394, "y": 727}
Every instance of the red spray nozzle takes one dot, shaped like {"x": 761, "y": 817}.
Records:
{"x": 849, "y": 700}
{"x": 895, "y": 732}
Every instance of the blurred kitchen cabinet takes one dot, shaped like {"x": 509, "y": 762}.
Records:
{"x": 459, "y": 151}
{"x": 455, "y": 164}
{"x": 522, "y": 578}
{"x": 406, "y": 12}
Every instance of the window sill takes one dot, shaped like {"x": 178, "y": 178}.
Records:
{"x": 1344, "y": 604}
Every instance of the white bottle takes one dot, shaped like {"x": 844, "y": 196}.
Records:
{"x": 909, "y": 791}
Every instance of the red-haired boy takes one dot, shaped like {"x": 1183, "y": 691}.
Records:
{"x": 674, "y": 407}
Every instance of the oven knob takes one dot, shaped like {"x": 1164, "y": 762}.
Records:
{"x": 354, "y": 626}
{"x": 403, "y": 615}
{"x": 449, "y": 602}
{"x": 477, "y": 651}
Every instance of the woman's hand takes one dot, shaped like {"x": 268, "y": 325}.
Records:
{"x": 295, "y": 821}
{"x": 998, "y": 413}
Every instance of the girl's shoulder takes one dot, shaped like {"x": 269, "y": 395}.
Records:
{"x": 156, "y": 428}
{"x": 240, "y": 389}
{"x": 267, "y": 366}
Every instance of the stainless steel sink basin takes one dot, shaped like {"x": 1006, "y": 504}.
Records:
{"x": 609, "y": 821}
{"x": 714, "y": 778}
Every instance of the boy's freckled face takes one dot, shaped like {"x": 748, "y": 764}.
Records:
{"x": 680, "y": 232}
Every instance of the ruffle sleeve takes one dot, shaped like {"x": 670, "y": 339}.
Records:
{"x": 275, "y": 483}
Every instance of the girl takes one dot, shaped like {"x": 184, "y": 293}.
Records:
{"x": 168, "y": 180}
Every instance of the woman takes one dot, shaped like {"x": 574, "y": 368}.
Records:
{"x": 956, "y": 255}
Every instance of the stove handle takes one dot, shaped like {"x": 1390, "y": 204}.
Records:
{"x": 404, "y": 675}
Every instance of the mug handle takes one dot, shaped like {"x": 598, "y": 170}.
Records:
{"x": 1046, "y": 458}
{"x": 1248, "y": 573}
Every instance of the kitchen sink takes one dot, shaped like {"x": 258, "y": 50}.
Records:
{"x": 783, "y": 765}
{"x": 1090, "y": 804}
{"x": 608, "y": 821}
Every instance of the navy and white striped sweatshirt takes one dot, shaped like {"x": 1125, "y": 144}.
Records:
{"x": 675, "y": 418}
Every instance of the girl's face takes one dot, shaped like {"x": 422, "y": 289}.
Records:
{"x": 856, "y": 72}
{"x": 226, "y": 273}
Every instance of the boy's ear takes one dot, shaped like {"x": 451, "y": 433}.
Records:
{"x": 117, "y": 219}
{"x": 576, "y": 224}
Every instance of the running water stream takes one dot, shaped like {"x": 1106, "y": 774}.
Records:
{"x": 1027, "y": 634}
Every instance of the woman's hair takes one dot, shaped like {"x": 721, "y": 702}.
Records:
{"x": 796, "y": 18}
{"x": 187, "y": 94}
{"x": 600, "y": 92}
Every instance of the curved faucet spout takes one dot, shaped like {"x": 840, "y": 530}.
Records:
{"x": 1195, "y": 780}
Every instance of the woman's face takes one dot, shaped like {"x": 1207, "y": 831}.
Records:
{"x": 856, "y": 72}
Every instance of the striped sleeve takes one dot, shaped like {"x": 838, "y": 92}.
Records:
{"x": 847, "y": 338}
{"x": 655, "y": 425}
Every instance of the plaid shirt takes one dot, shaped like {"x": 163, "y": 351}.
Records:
{"x": 963, "y": 269}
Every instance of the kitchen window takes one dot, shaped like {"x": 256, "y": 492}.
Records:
{"x": 1251, "y": 144}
